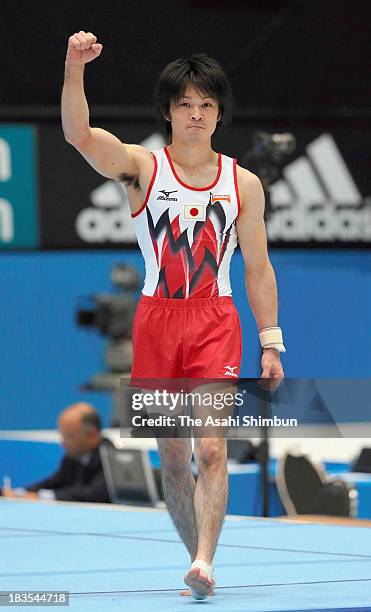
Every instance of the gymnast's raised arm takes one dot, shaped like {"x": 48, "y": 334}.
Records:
{"x": 104, "y": 152}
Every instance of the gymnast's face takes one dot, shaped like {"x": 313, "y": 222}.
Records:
{"x": 194, "y": 116}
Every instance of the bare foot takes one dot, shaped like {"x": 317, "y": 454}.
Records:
{"x": 199, "y": 582}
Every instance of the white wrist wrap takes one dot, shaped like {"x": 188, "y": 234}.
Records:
{"x": 271, "y": 337}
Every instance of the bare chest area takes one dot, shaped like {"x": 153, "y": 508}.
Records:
{"x": 198, "y": 177}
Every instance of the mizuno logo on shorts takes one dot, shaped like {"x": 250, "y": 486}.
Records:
{"x": 229, "y": 371}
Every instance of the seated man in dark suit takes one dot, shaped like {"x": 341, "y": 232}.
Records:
{"x": 80, "y": 473}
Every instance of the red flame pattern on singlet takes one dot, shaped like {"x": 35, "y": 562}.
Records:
{"x": 173, "y": 262}
{"x": 205, "y": 239}
{"x": 189, "y": 270}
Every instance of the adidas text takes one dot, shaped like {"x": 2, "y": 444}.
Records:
{"x": 323, "y": 223}
{"x": 97, "y": 225}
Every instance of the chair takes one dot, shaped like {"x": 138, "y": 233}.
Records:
{"x": 129, "y": 476}
{"x": 305, "y": 488}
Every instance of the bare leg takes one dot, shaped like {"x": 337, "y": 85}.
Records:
{"x": 179, "y": 488}
{"x": 210, "y": 506}
{"x": 211, "y": 493}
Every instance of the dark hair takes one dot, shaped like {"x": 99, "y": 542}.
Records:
{"x": 91, "y": 419}
{"x": 200, "y": 71}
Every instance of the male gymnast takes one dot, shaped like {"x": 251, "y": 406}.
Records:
{"x": 190, "y": 206}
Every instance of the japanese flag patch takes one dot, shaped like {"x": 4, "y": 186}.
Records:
{"x": 195, "y": 212}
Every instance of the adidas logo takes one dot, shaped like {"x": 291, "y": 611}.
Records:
{"x": 318, "y": 199}
{"x": 109, "y": 219}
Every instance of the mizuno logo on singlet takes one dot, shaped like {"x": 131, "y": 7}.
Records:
{"x": 166, "y": 196}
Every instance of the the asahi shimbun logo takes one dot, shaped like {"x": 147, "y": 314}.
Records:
{"x": 166, "y": 195}
{"x": 318, "y": 199}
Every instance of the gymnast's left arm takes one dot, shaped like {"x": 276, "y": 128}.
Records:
{"x": 260, "y": 279}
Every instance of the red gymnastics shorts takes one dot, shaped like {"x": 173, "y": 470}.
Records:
{"x": 186, "y": 339}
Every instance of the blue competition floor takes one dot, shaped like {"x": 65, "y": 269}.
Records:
{"x": 110, "y": 559}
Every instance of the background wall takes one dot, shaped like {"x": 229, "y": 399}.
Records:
{"x": 325, "y": 312}
{"x": 278, "y": 53}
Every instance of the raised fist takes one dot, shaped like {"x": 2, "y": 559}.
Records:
{"x": 82, "y": 48}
